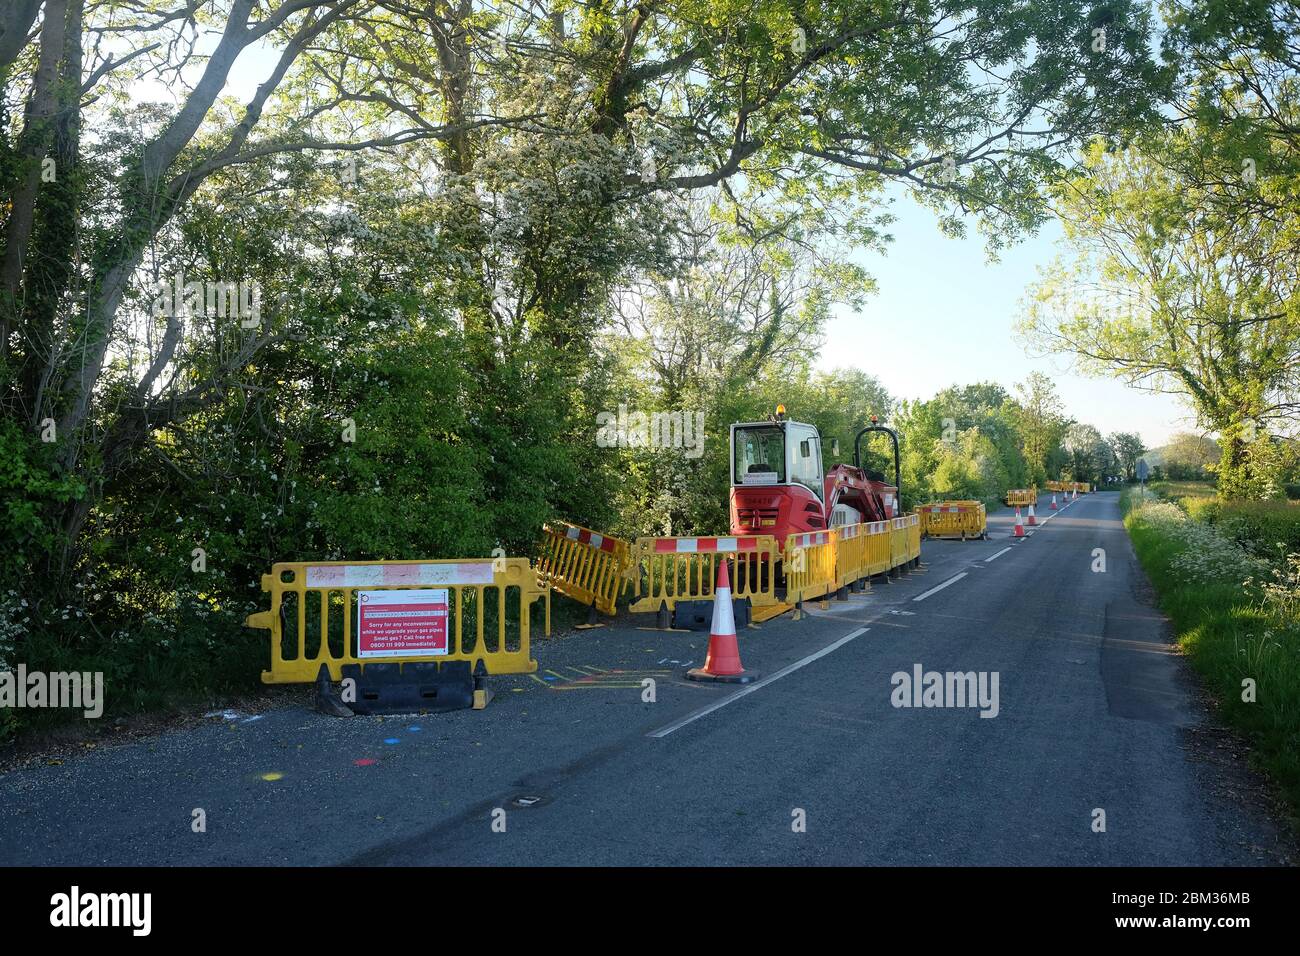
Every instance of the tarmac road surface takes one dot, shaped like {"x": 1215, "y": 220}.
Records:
{"x": 1095, "y": 712}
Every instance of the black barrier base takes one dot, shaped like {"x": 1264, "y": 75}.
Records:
{"x": 328, "y": 700}
{"x": 592, "y": 619}
{"x": 411, "y": 688}
{"x": 698, "y": 615}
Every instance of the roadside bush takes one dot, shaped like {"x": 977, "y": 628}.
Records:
{"x": 29, "y": 485}
{"x": 1264, "y": 528}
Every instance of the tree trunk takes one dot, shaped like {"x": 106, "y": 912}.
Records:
{"x": 148, "y": 202}
{"x": 51, "y": 265}
{"x": 1232, "y": 477}
{"x": 16, "y": 19}
{"x": 33, "y": 146}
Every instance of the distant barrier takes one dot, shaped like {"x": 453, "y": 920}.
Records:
{"x": 1022, "y": 497}
{"x": 668, "y": 570}
{"x": 1082, "y": 487}
{"x": 589, "y": 567}
{"x": 953, "y": 519}
{"x": 460, "y": 610}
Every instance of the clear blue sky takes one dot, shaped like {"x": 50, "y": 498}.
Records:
{"x": 945, "y": 316}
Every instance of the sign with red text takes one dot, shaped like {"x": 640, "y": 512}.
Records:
{"x": 408, "y": 623}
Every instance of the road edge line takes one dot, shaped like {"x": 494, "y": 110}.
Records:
{"x": 745, "y": 691}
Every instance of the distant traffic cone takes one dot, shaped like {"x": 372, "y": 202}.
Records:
{"x": 723, "y": 661}
{"x": 1054, "y": 508}
{"x": 1076, "y": 495}
{"x": 1020, "y": 528}
{"x": 1032, "y": 520}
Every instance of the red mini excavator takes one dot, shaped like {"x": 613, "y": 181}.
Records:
{"x": 777, "y": 483}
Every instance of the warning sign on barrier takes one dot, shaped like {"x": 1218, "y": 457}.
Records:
{"x": 409, "y": 623}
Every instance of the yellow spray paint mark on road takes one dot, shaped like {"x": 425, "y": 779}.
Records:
{"x": 610, "y": 679}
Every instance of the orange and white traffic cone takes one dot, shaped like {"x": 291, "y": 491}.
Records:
{"x": 1054, "y": 508}
{"x": 1032, "y": 519}
{"x": 1076, "y": 495}
{"x": 1020, "y": 528}
{"x": 723, "y": 661}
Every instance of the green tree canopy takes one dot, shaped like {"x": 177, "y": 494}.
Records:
{"x": 1163, "y": 290}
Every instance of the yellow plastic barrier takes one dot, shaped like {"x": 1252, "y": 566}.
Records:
{"x": 878, "y": 548}
{"x": 861, "y": 551}
{"x": 668, "y": 570}
{"x": 589, "y": 567}
{"x": 953, "y": 519}
{"x": 809, "y": 565}
{"x": 913, "y": 536}
{"x": 850, "y": 553}
{"x": 477, "y": 599}
{"x": 814, "y": 564}
{"x": 1082, "y": 487}
{"x": 1022, "y": 497}
{"x": 904, "y": 540}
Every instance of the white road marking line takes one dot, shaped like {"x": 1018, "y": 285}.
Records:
{"x": 952, "y": 580}
{"x": 998, "y": 555}
{"x": 763, "y": 682}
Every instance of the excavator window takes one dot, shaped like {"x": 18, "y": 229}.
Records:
{"x": 806, "y": 468}
{"x": 759, "y": 455}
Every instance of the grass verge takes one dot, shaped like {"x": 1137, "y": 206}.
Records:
{"x": 1231, "y": 632}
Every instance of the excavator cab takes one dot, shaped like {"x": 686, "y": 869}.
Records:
{"x": 777, "y": 453}
{"x": 776, "y": 477}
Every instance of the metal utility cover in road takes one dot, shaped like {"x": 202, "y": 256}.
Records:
{"x": 407, "y": 623}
